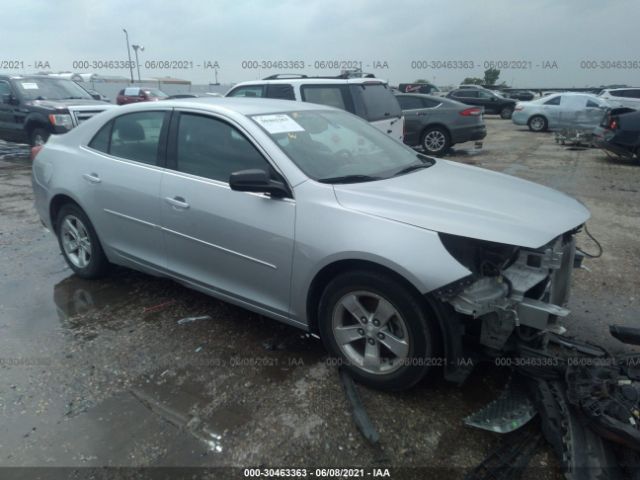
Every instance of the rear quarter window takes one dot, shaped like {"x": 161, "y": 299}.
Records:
{"x": 377, "y": 100}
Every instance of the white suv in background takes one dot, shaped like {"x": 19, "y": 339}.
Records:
{"x": 369, "y": 98}
{"x": 622, "y": 97}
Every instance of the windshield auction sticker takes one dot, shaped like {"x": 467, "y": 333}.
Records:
{"x": 29, "y": 86}
{"x": 279, "y": 123}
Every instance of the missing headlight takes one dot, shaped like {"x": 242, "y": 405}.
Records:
{"x": 481, "y": 257}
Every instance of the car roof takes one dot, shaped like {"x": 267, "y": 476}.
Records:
{"x": 244, "y": 106}
{"x": 618, "y": 89}
{"x": 315, "y": 80}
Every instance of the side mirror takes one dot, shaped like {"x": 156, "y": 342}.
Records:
{"x": 256, "y": 180}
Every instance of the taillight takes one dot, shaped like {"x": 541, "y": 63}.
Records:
{"x": 613, "y": 124}
{"x": 471, "y": 112}
{"x": 35, "y": 151}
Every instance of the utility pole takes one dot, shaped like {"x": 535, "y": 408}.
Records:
{"x": 128, "y": 54}
{"x": 135, "y": 49}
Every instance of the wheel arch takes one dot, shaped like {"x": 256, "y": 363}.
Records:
{"x": 434, "y": 125}
{"x": 330, "y": 271}
{"x": 56, "y": 203}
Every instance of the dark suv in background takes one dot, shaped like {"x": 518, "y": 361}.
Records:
{"x": 35, "y": 106}
{"x": 491, "y": 101}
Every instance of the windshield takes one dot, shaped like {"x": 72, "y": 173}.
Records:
{"x": 50, "y": 89}
{"x": 337, "y": 147}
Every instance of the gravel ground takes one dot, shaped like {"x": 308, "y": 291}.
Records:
{"x": 100, "y": 373}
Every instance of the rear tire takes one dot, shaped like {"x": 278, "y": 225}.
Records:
{"x": 435, "y": 140}
{"x": 38, "y": 136}
{"x": 538, "y": 123}
{"x": 379, "y": 330}
{"x": 79, "y": 243}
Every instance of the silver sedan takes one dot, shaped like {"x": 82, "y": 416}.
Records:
{"x": 309, "y": 215}
{"x": 568, "y": 110}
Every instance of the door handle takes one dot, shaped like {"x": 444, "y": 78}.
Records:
{"x": 177, "y": 202}
{"x": 91, "y": 177}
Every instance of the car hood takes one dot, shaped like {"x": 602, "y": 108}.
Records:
{"x": 59, "y": 104}
{"x": 470, "y": 202}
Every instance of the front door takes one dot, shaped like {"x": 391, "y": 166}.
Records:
{"x": 237, "y": 244}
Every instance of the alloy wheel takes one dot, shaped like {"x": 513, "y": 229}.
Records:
{"x": 76, "y": 242}
{"x": 434, "y": 141}
{"x": 370, "y": 332}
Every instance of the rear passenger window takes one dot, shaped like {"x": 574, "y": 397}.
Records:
{"x": 331, "y": 95}
{"x": 409, "y": 103}
{"x": 136, "y": 136}
{"x": 283, "y": 91}
{"x": 100, "y": 141}
{"x": 632, "y": 93}
{"x": 211, "y": 148}
{"x": 553, "y": 101}
{"x": 592, "y": 104}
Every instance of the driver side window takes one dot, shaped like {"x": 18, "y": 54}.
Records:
{"x": 213, "y": 149}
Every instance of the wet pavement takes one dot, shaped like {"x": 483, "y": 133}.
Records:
{"x": 103, "y": 373}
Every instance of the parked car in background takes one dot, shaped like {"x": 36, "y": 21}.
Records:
{"x": 33, "y": 107}
{"x": 622, "y": 97}
{"x": 619, "y": 132}
{"x": 369, "y": 98}
{"x": 139, "y": 94}
{"x": 426, "y": 88}
{"x": 435, "y": 123}
{"x": 313, "y": 217}
{"x": 492, "y": 101}
{"x": 517, "y": 94}
{"x": 470, "y": 86}
{"x": 580, "y": 111}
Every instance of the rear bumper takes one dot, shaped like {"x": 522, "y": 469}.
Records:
{"x": 468, "y": 134}
{"x": 519, "y": 117}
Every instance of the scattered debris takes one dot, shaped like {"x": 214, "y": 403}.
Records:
{"x": 159, "y": 307}
{"x": 360, "y": 417}
{"x": 509, "y": 460}
{"x": 510, "y": 411}
{"x": 184, "y": 320}
{"x": 198, "y": 350}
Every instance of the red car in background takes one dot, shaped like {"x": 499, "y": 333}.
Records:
{"x": 139, "y": 94}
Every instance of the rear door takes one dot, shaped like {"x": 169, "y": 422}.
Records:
{"x": 123, "y": 170}
{"x": 415, "y": 116}
{"x": 237, "y": 245}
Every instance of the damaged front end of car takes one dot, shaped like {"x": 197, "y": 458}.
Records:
{"x": 512, "y": 294}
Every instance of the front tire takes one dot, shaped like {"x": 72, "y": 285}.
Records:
{"x": 538, "y": 123}
{"x": 38, "y": 137}
{"x": 435, "y": 140}
{"x": 79, "y": 243}
{"x": 380, "y": 331}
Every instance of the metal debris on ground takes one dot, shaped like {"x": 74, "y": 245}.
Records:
{"x": 510, "y": 411}
{"x": 575, "y": 137}
{"x": 184, "y": 320}
{"x": 509, "y": 460}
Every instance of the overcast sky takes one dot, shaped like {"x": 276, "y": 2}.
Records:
{"x": 397, "y": 32}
